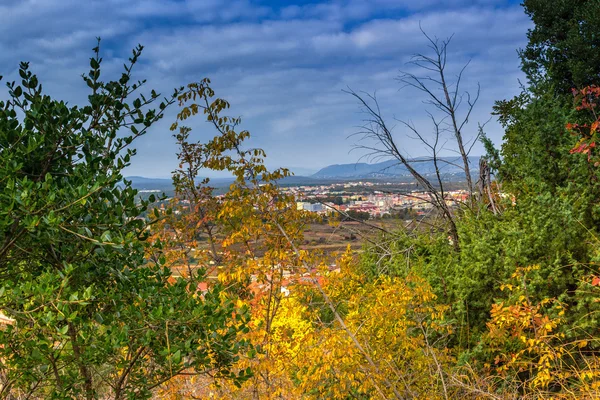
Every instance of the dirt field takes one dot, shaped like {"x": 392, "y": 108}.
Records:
{"x": 330, "y": 239}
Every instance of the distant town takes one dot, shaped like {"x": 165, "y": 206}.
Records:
{"x": 362, "y": 199}
{"x": 365, "y": 197}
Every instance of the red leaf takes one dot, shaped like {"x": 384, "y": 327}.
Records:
{"x": 596, "y": 281}
{"x": 579, "y": 149}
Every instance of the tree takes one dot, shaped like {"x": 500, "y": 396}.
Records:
{"x": 562, "y": 47}
{"x": 354, "y": 215}
{"x": 244, "y": 244}
{"x": 259, "y": 231}
{"x": 92, "y": 317}
{"x": 560, "y": 56}
{"x": 446, "y": 98}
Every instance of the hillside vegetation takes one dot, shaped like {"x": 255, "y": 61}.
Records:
{"x": 497, "y": 297}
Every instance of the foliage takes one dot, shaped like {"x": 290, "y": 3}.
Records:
{"x": 213, "y": 297}
{"x": 544, "y": 231}
{"x": 249, "y": 234}
{"x": 562, "y": 44}
{"x": 357, "y": 215}
{"x": 535, "y": 135}
{"x": 91, "y": 317}
{"x": 400, "y": 324}
{"x": 396, "y": 320}
{"x": 530, "y": 352}
{"x": 587, "y": 132}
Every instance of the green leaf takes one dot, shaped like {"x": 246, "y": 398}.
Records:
{"x": 176, "y": 357}
{"x": 105, "y": 236}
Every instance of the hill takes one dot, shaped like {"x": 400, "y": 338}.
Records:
{"x": 392, "y": 168}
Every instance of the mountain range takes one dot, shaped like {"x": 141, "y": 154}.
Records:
{"x": 450, "y": 167}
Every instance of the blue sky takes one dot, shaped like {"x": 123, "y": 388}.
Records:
{"x": 282, "y": 64}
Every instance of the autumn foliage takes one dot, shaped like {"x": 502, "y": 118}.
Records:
{"x": 587, "y": 132}
{"x": 210, "y": 294}
{"x": 322, "y": 333}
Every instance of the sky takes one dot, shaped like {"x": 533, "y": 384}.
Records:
{"x": 283, "y": 65}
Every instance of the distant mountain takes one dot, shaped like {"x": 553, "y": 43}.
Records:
{"x": 165, "y": 185}
{"x": 332, "y": 173}
{"x": 302, "y": 171}
{"x": 141, "y": 183}
{"x": 393, "y": 168}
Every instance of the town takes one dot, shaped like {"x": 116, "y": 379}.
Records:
{"x": 369, "y": 199}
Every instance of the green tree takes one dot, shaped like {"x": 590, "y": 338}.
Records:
{"x": 560, "y": 56}
{"x": 92, "y": 317}
{"x": 357, "y": 215}
{"x": 555, "y": 191}
{"x": 563, "y": 45}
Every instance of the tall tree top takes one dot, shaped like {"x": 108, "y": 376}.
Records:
{"x": 562, "y": 48}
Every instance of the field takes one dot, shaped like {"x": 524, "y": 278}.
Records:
{"x": 324, "y": 237}
{"x": 335, "y": 238}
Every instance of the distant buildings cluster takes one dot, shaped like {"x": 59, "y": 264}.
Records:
{"x": 312, "y": 207}
{"x": 326, "y": 198}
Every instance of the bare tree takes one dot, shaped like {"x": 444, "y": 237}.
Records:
{"x": 446, "y": 97}
{"x": 443, "y": 95}
{"x": 376, "y": 129}
{"x": 484, "y": 185}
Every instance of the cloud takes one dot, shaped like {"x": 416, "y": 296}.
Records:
{"x": 283, "y": 68}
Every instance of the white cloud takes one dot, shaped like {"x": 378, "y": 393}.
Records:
{"x": 282, "y": 68}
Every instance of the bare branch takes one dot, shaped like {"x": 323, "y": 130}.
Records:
{"x": 376, "y": 129}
